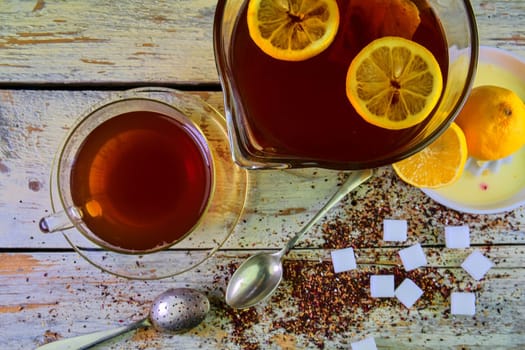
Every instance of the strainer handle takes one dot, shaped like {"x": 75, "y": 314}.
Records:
{"x": 89, "y": 340}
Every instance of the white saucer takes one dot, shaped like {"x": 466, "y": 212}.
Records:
{"x": 504, "y": 190}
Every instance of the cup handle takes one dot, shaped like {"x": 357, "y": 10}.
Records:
{"x": 61, "y": 220}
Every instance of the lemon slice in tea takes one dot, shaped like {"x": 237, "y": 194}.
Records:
{"x": 394, "y": 83}
{"x": 293, "y": 30}
{"x": 437, "y": 165}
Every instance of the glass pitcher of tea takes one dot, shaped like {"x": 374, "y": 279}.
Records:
{"x": 289, "y": 110}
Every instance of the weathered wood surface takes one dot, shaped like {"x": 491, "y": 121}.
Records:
{"x": 47, "y": 291}
{"x": 81, "y": 42}
{"x": 34, "y": 124}
{"x": 45, "y": 296}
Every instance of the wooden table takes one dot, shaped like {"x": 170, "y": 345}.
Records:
{"x": 57, "y": 58}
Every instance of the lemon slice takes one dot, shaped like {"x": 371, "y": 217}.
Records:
{"x": 293, "y": 30}
{"x": 437, "y": 165}
{"x": 394, "y": 83}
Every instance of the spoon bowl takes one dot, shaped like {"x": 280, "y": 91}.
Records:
{"x": 256, "y": 279}
{"x": 260, "y": 275}
{"x": 174, "y": 311}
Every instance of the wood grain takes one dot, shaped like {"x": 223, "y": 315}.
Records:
{"x": 129, "y": 42}
{"x": 47, "y": 293}
{"x": 97, "y": 41}
{"x": 34, "y": 124}
{"x": 60, "y": 295}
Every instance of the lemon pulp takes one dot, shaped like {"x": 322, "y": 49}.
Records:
{"x": 293, "y": 30}
{"x": 394, "y": 83}
{"x": 439, "y": 164}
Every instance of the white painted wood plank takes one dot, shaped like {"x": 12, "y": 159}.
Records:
{"x": 107, "y": 41}
{"x": 33, "y": 124}
{"x": 45, "y": 296}
{"x": 152, "y": 42}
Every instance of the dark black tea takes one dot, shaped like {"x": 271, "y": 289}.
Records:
{"x": 143, "y": 180}
{"x": 300, "y": 109}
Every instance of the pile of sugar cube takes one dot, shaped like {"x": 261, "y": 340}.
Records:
{"x": 413, "y": 257}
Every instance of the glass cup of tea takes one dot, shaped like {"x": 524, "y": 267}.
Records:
{"x": 136, "y": 176}
{"x": 288, "y": 114}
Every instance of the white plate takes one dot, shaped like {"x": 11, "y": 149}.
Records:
{"x": 504, "y": 190}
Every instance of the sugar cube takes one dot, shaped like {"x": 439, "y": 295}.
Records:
{"x": 395, "y": 230}
{"x": 457, "y": 236}
{"x": 343, "y": 260}
{"x": 408, "y": 292}
{"x": 462, "y": 303}
{"x": 413, "y": 257}
{"x": 477, "y": 265}
{"x": 382, "y": 286}
{"x": 365, "y": 344}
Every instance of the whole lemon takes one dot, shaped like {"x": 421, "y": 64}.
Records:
{"x": 493, "y": 120}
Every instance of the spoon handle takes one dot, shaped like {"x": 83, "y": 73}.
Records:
{"x": 89, "y": 340}
{"x": 354, "y": 179}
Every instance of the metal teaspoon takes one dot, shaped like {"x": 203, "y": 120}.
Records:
{"x": 259, "y": 276}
